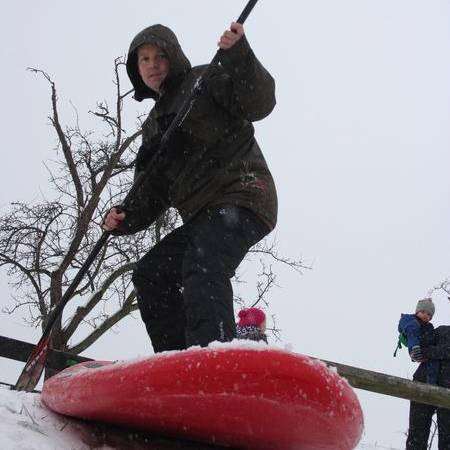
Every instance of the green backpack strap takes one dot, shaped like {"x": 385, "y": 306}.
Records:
{"x": 402, "y": 342}
{"x": 71, "y": 362}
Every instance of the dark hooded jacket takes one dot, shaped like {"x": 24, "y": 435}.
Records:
{"x": 440, "y": 351}
{"x": 213, "y": 158}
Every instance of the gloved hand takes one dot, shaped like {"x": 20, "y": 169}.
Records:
{"x": 416, "y": 354}
{"x": 113, "y": 220}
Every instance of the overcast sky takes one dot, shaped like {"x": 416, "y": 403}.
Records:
{"x": 359, "y": 145}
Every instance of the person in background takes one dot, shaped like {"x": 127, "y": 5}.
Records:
{"x": 414, "y": 328}
{"x": 420, "y": 415}
{"x": 252, "y": 325}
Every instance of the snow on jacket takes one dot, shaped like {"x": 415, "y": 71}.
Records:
{"x": 214, "y": 158}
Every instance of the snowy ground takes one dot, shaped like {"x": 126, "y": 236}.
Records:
{"x": 25, "y": 424}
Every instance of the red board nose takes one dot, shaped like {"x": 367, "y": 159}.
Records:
{"x": 246, "y": 397}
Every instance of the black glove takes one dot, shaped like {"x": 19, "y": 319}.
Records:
{"x": 416, "y": 354}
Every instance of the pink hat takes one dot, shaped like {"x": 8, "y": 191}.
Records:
{"x": 251, "y": 316}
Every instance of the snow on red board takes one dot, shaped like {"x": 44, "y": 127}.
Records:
{"x": 250, "y": 397}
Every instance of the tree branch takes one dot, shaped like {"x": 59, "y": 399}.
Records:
{"x": 27, "y": 273}
{"x": 83, "y": 311}
{"x": 67, "y": 151}
{"x": 109, "y": 322}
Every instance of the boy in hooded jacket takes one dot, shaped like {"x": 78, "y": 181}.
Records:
{"x": 213, "y": 173}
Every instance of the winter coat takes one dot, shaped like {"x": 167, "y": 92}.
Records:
{"x": 440, "y": 350}
{"x": 418, "y": 333}
{"x": 412, "y": 327}
{"x": 250, "y": 332}
{"x": 214, "y": 158}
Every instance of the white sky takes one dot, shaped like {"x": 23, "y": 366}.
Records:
{"x": 358, "y": 144}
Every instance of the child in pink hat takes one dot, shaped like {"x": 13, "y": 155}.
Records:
{"x": 252, "y": 325}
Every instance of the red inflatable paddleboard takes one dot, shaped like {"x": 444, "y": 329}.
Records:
{"x": 248, "y": 397}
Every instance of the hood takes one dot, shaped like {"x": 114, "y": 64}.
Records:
{"x": 406, "y": 319}
{"x": 165, "y": 39}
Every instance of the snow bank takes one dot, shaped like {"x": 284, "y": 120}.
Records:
{"x": 25, "y": 424}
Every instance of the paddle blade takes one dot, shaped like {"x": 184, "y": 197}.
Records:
{"x": 32, "y": 371}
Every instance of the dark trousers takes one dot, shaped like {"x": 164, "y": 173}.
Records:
{"x": 183, "y": 283}
{"x": 420, "y": 416}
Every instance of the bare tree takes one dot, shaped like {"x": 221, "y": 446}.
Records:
{"x": 442, "y": 287}
{"x": 43, "y": 245}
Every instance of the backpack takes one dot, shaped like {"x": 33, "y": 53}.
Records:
{"x": 402, "y": 341}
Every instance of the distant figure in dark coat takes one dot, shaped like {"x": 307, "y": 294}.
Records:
{"x": 435, "y": 346}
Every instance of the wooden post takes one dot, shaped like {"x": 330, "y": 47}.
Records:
{"x": 391, "y": 385}
{"x": 368, "y": 380}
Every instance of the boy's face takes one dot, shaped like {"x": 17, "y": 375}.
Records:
{"x": 153, "y": 66}
{"x": 424, "y": 316}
